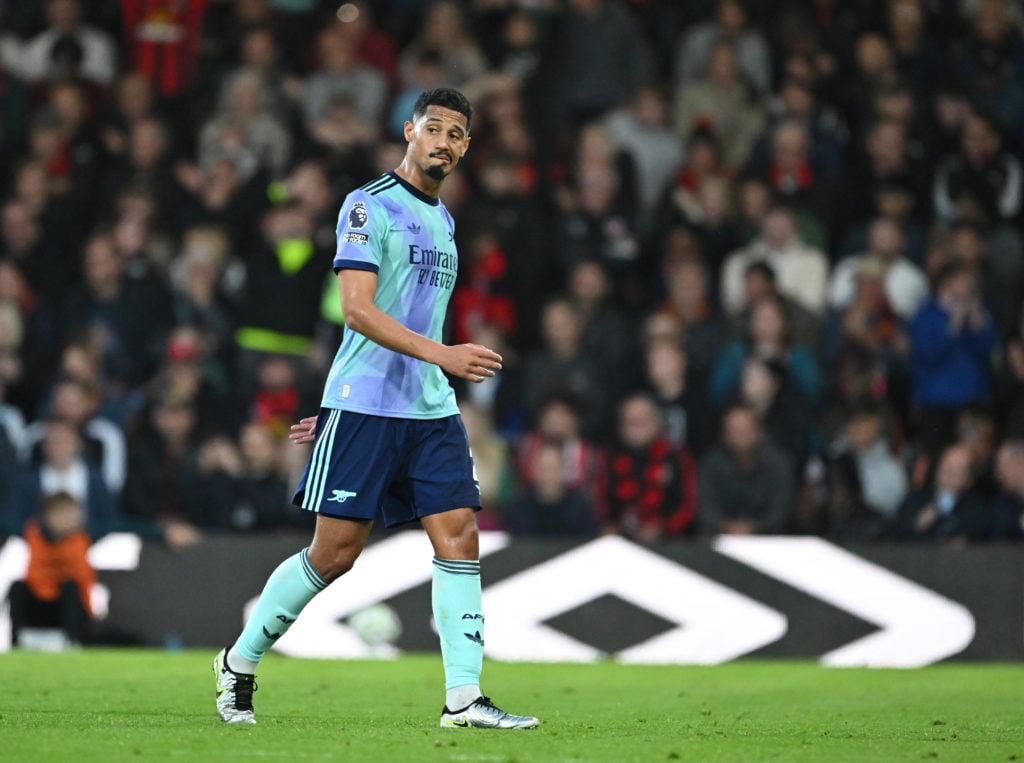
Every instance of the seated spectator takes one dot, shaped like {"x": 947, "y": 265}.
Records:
{"x": 160, "y": 494}
{"x": 549, "y": 506}
{"x": 245, "y": 131}
{"x": 746, "y": 483}
{"x": 78, "y": 403}
{"x": 55, "y": 593}
{"x": 868, "y": 346}
{"x": 952, "y": 340}
{"x": 767, "y": 337}
{"x": 982, "y": 182}
{"x": 801, "y": 270}
{"x": 45, "y": 56}
{"x": 241, "y": 488}
{"x": 561, "y": 367}
{"x": 688, "y": 304}
{"x": 647, "y": 489}
{"x": 723, "y": 103}
{"x": 730, "y": 23}
{"x": 760, "y": 282}
{"x": 558, "y": 422}
{"x": 951, "y": 508}
{"x": 666, "y": 377}
{"x": 906, "y": 285}
{"x": 115, "y": 313}
{"x": 1008, "y": 511}
{"x": 341, "y": 74}
{"x": 642, "y": 131}
{"x": 62, "y": 469}
{"x": 783, "y": 411}
{"x": 188, "y": 373}
{"x": 881, "y": 481}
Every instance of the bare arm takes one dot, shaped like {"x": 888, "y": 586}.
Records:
{"x": 467, "y": 361}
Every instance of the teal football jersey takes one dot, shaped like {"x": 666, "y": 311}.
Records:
{"x": 391, "y": 228}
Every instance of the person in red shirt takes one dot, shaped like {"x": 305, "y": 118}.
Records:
{"x": 647, "y": 488}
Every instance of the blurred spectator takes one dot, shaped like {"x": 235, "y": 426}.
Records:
{"x": 549, "y": 506}
{"x": 443, "y": 29}
{"x": 881, "y": 481}
{"x": 801, "y": 271}
{"x": 134, "y": 99}
{"x": 187, "y": 372}
{"x": 647, "y": 488}
{"x": 952, "y": 508}
{"x": 746, "y": 483}
{"x": 606, "y": 332}
{"x": 867, "y": 345}
{"x": 560, "y": 366}
{"x": 68, "y": 48}
{"x": 982, "y": 182}
{"x": 641, "y": 130}
{"x": 492, "y": 464}
{"x": 58, "y": 582}
{"x": 689, "y": 303}
{"x": 953, "y": 338}
{"x": 280, "y": 394}
{"x": 796, "y": 175}
{"x": 342, "y": 76}
{"x": 245, "y": 131}
{"x": 919, "y": 56}
{"x": 241, "y": 488}
{"x": 78, "y": 403}
{"x": 722, "y": 103}
{"x": 1008, "y": 511}
{"x": 200, "y": 276}
{"x": 753, "y": 56}
{"x": 372, "y": 46}
{"x": 501, "y": 399}
{"x": 162, "y": 41}
{"x": 558, "y": 423}
{"x": 161, "y": 494}
{"x": 282, "y": 286}
{"x": 62, "y": 469}
{"x": 685, "y": 416}
{"x": 991, "y": 60}
{"x": 767, "y": 336}
{"x": 115, "y": 314}
{"x": 782, "y": 410}
{"x": 598, "y": 220}
{"x": 906, "y": 285}
{"x": 886, "y": 161}
{"x": 760, "y": 282}
{"x": 599, "y": 60}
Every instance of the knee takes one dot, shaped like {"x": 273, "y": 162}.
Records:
{"x": 463, "y": 542}
{"x": 332, "y": 563}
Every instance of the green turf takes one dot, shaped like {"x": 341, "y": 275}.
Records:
{"x": 112, "y": 705}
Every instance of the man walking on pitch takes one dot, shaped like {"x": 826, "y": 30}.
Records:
{"x": 388, "y": 437}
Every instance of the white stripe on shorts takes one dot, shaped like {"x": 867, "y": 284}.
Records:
{"x": 319, "y": 463}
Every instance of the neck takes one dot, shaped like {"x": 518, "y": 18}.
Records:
{"x": 418, "y": 179}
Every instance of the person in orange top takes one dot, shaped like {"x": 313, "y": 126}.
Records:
{"x": 55, "y": 591}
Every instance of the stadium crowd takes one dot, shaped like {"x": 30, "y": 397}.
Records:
{"x": 754, "y": 266}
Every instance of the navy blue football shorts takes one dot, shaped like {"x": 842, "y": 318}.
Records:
{"x": 403, "y": 468}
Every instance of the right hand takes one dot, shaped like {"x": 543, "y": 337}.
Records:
{"x": 471, "y": 362}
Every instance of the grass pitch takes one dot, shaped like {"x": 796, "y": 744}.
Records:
{"x": 138, "y": 705}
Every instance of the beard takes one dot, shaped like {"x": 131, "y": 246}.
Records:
{"x": 436, "y": 172}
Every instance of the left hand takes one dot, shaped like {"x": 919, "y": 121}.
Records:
{"x": 304, "y": 431}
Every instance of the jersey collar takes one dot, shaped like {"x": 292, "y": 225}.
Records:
{"x": 432, "y": 201}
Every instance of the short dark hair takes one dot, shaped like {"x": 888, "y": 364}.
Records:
{"x": 444, "y": 97}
